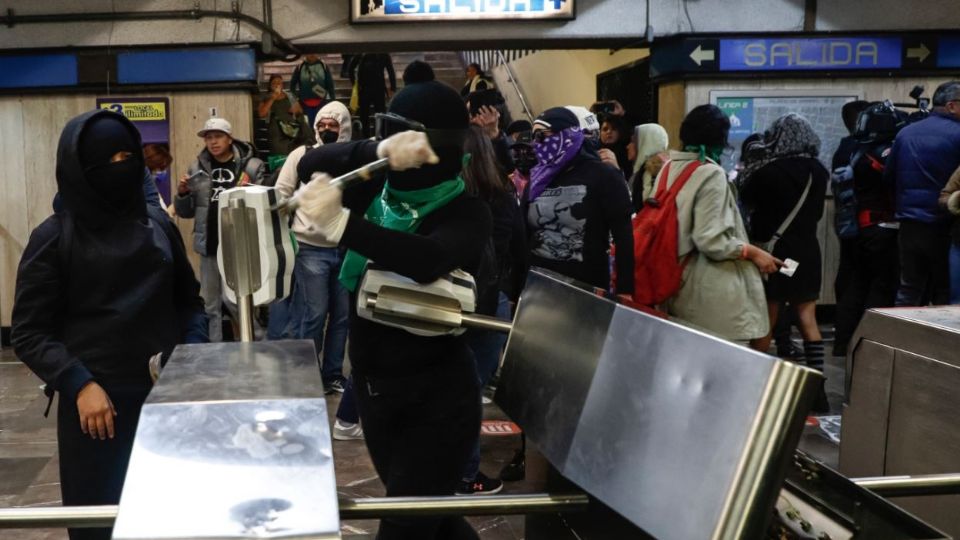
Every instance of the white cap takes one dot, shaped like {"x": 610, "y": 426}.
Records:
{"x": 588, "y": 120}
{"x": 215, "y": 124}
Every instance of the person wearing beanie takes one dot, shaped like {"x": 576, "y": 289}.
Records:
{"x": 103, "y": 285}
{"x": 224, "y": 163}
{"x": 419, "y": 396}
{"x": 416, "y": 72}
{"x": 573, "y": 204}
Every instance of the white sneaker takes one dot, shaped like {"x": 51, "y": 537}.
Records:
{"x": 347, "y": 431}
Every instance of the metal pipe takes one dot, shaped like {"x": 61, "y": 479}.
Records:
{"x": 57, "y": 517}
{"x": 911, "y": 486}
{"x": 11, "y": 19}
{"x": 371, "y": 508}
{"x": 486, "y": 323}
{"x": 243, "y": 259}
{"x": 475, "y": 506}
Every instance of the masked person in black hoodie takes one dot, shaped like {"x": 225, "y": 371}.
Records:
{"x": 102, "y": 286}
{"x": 574, "y": 204}
{"x": 419, "y": 396}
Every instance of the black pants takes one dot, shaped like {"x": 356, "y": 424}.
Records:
{"x": 845, "y": 268}
{"x": 92, "y": 471}
{"x": 924, "y": 264}
{"x": 420, "y": 432}
{"x": 876, "y": 272}
{"x": 373, "y": 97}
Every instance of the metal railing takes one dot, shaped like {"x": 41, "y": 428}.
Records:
{"x": 360, "y": 508}
{"x": 489, "y": 59}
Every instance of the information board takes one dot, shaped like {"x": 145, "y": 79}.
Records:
{"x": 365, "y": 11}
{"x": 753, "y": 111}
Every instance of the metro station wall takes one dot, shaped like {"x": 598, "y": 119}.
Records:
{"x": 557, "y": 78}
{"x": 29, "y": 131}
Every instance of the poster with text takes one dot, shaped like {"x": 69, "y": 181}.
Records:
{"x": 753, "y": 111}
{"x": 364, "y": 11}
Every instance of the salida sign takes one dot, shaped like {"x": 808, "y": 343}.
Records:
{"x": 810, "y": 54}
{"x": 447, "y": 10}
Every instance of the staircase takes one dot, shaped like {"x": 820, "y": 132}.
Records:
{"x": 446, "y": 66}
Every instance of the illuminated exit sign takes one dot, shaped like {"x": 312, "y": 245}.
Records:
{"x": 363, "y": 11}
{"x": 764, "y": 54}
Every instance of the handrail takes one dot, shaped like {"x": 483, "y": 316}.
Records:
{"x": 908, "y": 486}
{"x": 516, "y": 86}
{"x": 359, "y": 508}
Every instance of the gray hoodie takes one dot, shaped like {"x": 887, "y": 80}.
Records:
{"x": 196, "y": 203}
{"x": 288, "y": 182}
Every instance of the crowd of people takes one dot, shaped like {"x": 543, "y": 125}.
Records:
{"x": 588, "y": 193}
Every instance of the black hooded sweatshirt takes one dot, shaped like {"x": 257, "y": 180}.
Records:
{"x": 99, "y": 290}
{"x": 450, "y": 237}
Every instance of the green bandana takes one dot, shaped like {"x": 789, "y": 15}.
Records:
{"x": 399, "y": 211}
{"x": 712, "y": 152}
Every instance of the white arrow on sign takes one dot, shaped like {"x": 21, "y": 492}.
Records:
{"x": 701, "y": 55}
{"x": 920, "y": 53}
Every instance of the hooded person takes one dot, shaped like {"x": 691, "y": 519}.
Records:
{"x": 419, "y": 396}
{"x": 316, "y": 292}
{"x": 783, "y": 190}
{"x": 573, "y": 203}
{"x": 103, "y": 285}
{"x": 651, "y": 143}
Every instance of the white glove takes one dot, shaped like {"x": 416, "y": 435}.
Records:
{"x": 953, "y": 203}
{"x": 407, "y": 150}
{"x": 322, "y": 207}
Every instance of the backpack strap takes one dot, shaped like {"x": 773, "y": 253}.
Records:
{"x": 663, "y": 193}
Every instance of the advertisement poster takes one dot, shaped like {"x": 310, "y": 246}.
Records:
{"x": 753, "y": 111}
{"x": 363, "y": 11}
{"x": 151, "y": 115}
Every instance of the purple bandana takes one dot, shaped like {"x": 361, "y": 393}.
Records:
{"x": 553, "y": 156}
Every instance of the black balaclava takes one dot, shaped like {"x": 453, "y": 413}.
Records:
{"x": 120, "y": 183}
{"x": 329, "y": 137}
{"x": 439, "y": 107}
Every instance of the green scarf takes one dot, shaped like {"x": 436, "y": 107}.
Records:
{"x": 712, "y": 152}
{"x": 399, "y": 211}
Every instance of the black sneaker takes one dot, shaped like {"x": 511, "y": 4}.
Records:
{"x": 336, "y": 386}
{"x": 481, "y": 485}
{"x": 516, "y": 470}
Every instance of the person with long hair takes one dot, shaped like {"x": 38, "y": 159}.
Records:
{"x": 501, "y": 276}
{"x": 783, "y": 190}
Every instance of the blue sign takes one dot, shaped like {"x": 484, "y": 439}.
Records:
{"x": 38, "y": 70}
{"x": 949, "y": 54}
{"x": 776, "y": 54}
{"x": 186, "y": 65}
{"x": 458, "y": 10}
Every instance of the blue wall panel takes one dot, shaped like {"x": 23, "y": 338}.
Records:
{"x": 185, "y": 66}
{"x": 38, "y": 70}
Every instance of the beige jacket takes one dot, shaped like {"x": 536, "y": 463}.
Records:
{"x": 720, "y": 293}
{"x": 287, "y": 181}
{"x": 950, "y": 196}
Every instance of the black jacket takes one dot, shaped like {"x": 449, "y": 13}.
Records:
{"x": 98, "y": 293}
{"x": 570, "y": 224}
{"x": 451, "y": 237}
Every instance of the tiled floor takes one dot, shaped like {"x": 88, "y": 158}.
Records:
{"x": 29, "y": 475}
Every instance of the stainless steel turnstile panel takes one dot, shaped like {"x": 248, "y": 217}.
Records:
{"x": 254, "y": 469}
{"x": 233, "y": 442}
{"x": 236, "y": 371}
{"x": 869, "y": 399}
{"x": 901, "y": 417}
{"x": 685, "y": 435}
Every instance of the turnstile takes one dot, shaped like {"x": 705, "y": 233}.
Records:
{"x": 900, "y": 414}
